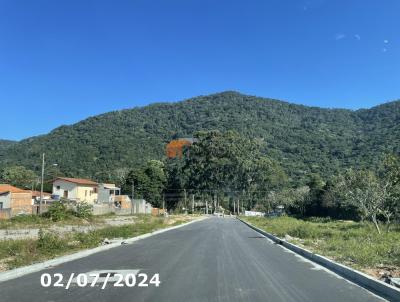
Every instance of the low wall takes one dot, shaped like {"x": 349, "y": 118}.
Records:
{"x": 5, "y": 213}
{"x": 102, "y": 209}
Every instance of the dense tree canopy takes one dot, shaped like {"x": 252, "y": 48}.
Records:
{"x": 19, "y": 176}
{"x": 304, "y": 140}
{"x": 147, "y": 182}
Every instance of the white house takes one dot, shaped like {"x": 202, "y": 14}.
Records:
{"x": 107, "y": 193}
{"x": 77, "y": 189}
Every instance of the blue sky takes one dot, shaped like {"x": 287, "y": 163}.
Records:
{"x": 62, "y": 61}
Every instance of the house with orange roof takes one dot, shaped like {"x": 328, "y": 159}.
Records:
{"x": 76, "y": 189}
{"x": 14, "y": 201}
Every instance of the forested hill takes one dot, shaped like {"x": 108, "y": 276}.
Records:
{"x": 303, "y": 139}
{"x": 5, "y": 144}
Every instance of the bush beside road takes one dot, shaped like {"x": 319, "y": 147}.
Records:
{"x": 50, "y": 244}
{"x": 355, "y": 244}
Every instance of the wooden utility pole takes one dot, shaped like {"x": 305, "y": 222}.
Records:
{"x": 192, "y": 203}
{"x": 41, "y": 187}
{"x": 184, "y": 190}
{"x": 163, "y": 203}
{"x": 234, "y": 208}
{"x": 133, "y": 197}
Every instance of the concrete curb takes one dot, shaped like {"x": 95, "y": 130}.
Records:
{"x": 18, "y": 272}
{"x": 379, "y": 288}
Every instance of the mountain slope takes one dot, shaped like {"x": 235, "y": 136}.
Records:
{"x": 304, "y": 139}
{"x": 4, "y": 144}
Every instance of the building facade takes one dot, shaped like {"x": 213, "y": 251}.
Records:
{"x": 76, "y": 189}
{"x": 14, "y": 201}
{"x": 107, "y": 193}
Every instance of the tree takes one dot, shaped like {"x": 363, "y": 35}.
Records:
{"x": 314, "y": 199}
{"x": 224, "y": 162}
{"x": 149, "y": 182}
{"x": 19, "y": 176}
{"x": 300, "y": 199}
{"x": 390, "y": 175}
{"x": 365, "y": 191}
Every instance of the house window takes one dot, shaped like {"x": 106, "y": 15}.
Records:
{"x": 94, "y": 190}
{"x": 111, "y": 192}
{"x": 85, "y": 193}
{"x": 65, "y": 194}
{"x": 58, "y": 187}
{"x": 1, "y": 205}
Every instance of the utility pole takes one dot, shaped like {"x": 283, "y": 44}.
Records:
{"x": 238, "y": 207}
{"x": 192, "y": 203}
{"x": 206, "y": 206}
{"x": 234, "y": 207}
{"x": 163, "y": 203}
{"x": 184, "y": 190}
{"x": 41, "y": 187}
{"x": 215, "y": 202}
{"x": 133, "y": 196}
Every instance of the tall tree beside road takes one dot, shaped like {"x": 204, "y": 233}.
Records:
{"x": 391, "y": 178}
{"x": 227, "y": 162}
{"x": 148, "y": 182}
{"x": 364, "y": 190}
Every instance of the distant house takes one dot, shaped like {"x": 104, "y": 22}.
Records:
{"x": 14, "y": 201}
{"x": 36, "y": 196}
{"x": 174, "y": 148}
{"x": 76, "y": 189}
{"x": 108, "y": 192}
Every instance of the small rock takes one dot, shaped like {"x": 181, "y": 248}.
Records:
{"x": 288, "y": 237}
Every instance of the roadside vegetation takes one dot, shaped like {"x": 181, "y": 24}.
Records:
{"x": 58, "y": 214}
{"x": 356, "y": 244}
{"x": 16, "y": 253}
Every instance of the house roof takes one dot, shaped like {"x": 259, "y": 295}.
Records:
{"x": 9, "y": 188}
{"x": 79, "y": 181}
{"x": 110, "y": 186}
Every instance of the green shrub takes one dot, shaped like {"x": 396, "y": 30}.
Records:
{"x": 57, "y": 211}
{"x": 84, "y": 210}
{"x": 50, "y": 243}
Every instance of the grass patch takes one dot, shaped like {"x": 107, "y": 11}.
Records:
{"x": 16, "y": 253}
{"x": 353, "y": 243}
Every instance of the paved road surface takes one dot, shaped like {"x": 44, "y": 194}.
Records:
{"x": 217, "y": 259}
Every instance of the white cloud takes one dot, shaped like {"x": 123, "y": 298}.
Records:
{"x": 386, "y": 41}
{"x": 357, "y": 36}
{"x": 384, "y": 49}
{"x": 339, "y": 37}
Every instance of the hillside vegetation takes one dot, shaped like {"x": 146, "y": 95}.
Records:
{"x": 302, "y": 139}
{"x": 4, "y": 144}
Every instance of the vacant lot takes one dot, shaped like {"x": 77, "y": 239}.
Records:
{"x": 351, "y": 243}
{"x": 50, "y": 244}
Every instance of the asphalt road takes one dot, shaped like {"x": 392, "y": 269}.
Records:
{"x": 217, "y": 259}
